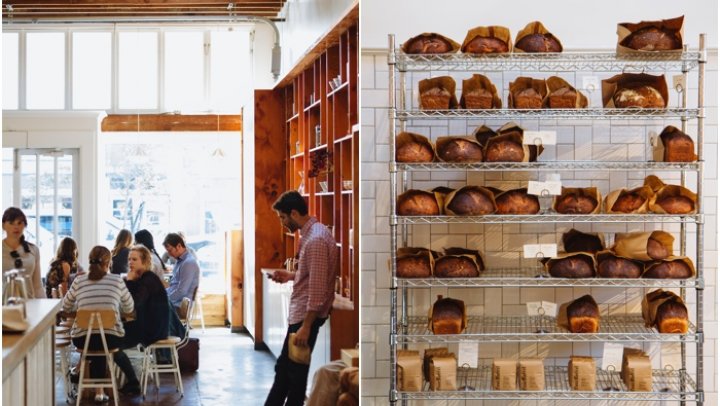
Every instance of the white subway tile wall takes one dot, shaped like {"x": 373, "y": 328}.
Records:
{"x": 623, "y": 140}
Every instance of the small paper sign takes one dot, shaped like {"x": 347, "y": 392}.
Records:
{"x": 679, "y": 82}
{"x": 550, "y": 308}
{"x": 540, "y": 137}
{"x": 539, "y": 250}
{"x": 547, "y": 188}
{"x": 612, "y": 356}
{"x": 541, "y": 308}
{"x": 468, "y": 354}
{"x": 533, "y": 308}
{"x": 590, "y": 83}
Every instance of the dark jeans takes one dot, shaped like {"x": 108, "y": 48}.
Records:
{"x": 98, "y": 365}
{"x": 290, "y": 377}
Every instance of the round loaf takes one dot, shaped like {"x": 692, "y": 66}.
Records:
{"x": 642, "y": 96}
{"x": 656, "y": 250}
{"x": 616, "y": 267}
{"x": 504, "y": 151}
{"x": 470, "y": 201}
{"x": 517, "y": 201}
{"x": 432, "y": 44}
{"x": 676, "y": 269}
{"x": 414, "y": 152}
{"x": 414, "y": 266}
{"x": 485, "y": 45}
{"x": 460, "y": 150}
{"x": 578, "y": 266}
{"x": 417, "y": 203}
{"x": 575, "y": 204}
{"x": 653, "y": 39}
{"x": 628, "y": 203}
{"x": 676, "y": 204}
{"x": 527, "y": 99}
{"x": 455, "y": 267}
{"x": 538, "y": 43}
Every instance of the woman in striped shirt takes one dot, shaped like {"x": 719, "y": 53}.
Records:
{"x": 98, "y": 289}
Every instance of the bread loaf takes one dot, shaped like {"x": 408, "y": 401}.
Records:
{"x": 435, "y": 99}
{"x": 430, "y": 43}
{"x": 456, "y": 266}
{"x": 628, "y": 202}
{"x": 477, "y": 99}
{"x": 485, "y": 45}
{"x": 483, "y": 134}
{"x": 575, "y": 266}
{"x": 612, "y": 266}
{"x": 412, "y": 147}
{"x": 672, "y": 317}
{"x": 470, "y": 201}
{"x": 539, "y": 43}
{"x": 448, "y": 316}
{"x": 677, "y": 146}
{"x": 572, "y": 203}
{"x": 583, "y": 315}
{"x": 517, "y": 201}
{"x": 527, "y": 99}
{"x": 576, "y": 241}
{"x": 674, "y": 269}
{"x": 563, "y": 98}
{"x": 458, "y": 149}
{"x": 638, "y": 95}
{"x": 656, "y": 249}
{"x": 414, "y": 263}
{"x": 474, "y": 254}
{"x": 417, "y": 203}
{"x": 504, "y": 151}
{"x": 346, "y": 399}
{"x": 676, "y": 204}
{"x": 653, "y": 39}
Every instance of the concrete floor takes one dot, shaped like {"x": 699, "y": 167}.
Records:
{"x": 231, "y": 373}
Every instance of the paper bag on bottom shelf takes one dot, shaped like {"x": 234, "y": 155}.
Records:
{"x": 504, "y": 374}
{"x": 581, "y": 373}
{"x": 409, "y": 371}
{"x": 443, "y": 372}
{"x": 531, "y": 372}
{"x": 636, "y": 370}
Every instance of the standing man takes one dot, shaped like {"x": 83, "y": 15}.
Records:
{"x": 311, "y": 299}
{"x": 186, "y": 272}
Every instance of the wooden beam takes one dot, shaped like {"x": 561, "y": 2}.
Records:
{"x": 171, "y": 122}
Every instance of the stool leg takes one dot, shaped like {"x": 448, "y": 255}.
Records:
{"x": 176, "y": 365}
{"x": 112, "y": 377}
{"x": 80, "y": 380}
{"x": 156, "y": 369}
{"x": 64, "y": 371}
{"x": 145, "y": 369}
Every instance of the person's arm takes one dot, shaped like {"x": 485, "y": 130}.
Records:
{"x": 66, "y": 276}
{"x": 127, "y": 305}
{"x": 68, "y": 301}
{"x": 38, "y": 290}
{"x": 317, "y": 253}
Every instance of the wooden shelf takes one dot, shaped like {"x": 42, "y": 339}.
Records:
{"x": 355, "y": 128}
{"x": 315, "y": 104}
{"x": 347, "y": 192}
{"x": 295, "y": 117}
{"x": 298, "y": 155}
{"x": 325, "y": 194}
{"x": 343, "y": 138}
{"x": 319, "y": 148}
{"x": 338, "y": 89}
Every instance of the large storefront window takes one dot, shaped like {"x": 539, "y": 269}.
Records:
{"x": 170, "y": 182}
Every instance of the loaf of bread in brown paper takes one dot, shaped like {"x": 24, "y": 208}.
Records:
{"x": 672, "y": 317}
{"x": 517, "y": 201}
{"x": 677, "y": 204}
{"x": 676, "y": 269}
{"x": 417, "y": 203}
{"x": 527, "y": 98}
{"x": 576, "y": 241}
{"x": 413, "y": 148}
{"x": 638, "y": 95}
{"x": 656, "y": 249}
{"x": 471, "y": 201}
{"x": 678, "y": 146}
{"x": 576, "y": 266}
{"x": 628, "y": 202}
{"x": 456, "y": 266}
{"x": 611, "y": 266}
{"x": 575, "y": 204}
{"x": 485, "y": 45}
{"x": 428, "y": 44}
{"x": 563, "y": 98}
{"x": 458, "y": 149}
{"x": 653, "y": 39}
{"x": 539, "y": 43}
{"x": 448, "y": 316}
{"x": 417, "y": 264}
{"x": 435, "y": 99}
{"x": 583, "y": 315}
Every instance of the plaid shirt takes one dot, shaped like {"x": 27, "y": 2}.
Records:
{"x": 314, "y": 283}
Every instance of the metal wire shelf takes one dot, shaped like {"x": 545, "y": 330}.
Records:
{"x": 536, "y": 277}
{"x": 550, "y": 62}
{"x": 549, "y": 114}
{"x": 623, "y": 328}
{"x": 668, "y": 385}
{"x": 550, "y": 165}
{"x": 546, "y": 218}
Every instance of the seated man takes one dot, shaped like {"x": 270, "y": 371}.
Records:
{"x": 186, "y": 272}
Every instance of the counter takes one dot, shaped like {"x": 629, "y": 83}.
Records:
{"x": 29, "y": 357}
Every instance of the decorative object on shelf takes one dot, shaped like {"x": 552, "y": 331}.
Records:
{"x": 323, "y": 186}
{"x": 318, "y": 135}
{"x": 347, "y": 184}
{"x": 320, "y": 163}
{"x": 301, "y": 186}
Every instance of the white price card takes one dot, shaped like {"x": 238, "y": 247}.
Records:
{"x": 612, "y": 355}
{"x": 591, "y": 83}
{"x": 468, "y": 354}
{"x": 679, "y": 82}
{"x": 552, "y": 188}
{"x": 550, "y": 308}
{"x": 533, "y": 308}
{"x": 540, "y": 137}
{"x": 539, "y": 250}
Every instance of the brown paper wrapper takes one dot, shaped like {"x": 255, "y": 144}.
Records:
{"x": 454, "y": 45}
{"x": 494, "y": 31}
{"x": 442, "y": 82}
{"x": 438, "y": 199}
{"x": 525, "y": 194}
{"x": 617, "y": 82}
{"x": 654, "y": 183}
{"x": 409, "y": 253}
{"x": 428, "y": 355}
{"x": 652, "y": 301}
{"x": 443, "y": 373}
{"x": 661, "y": 152}
{"x": 409, "y": 371}
{"x": 634, "y": 245}
{"x": 441, "y": 141}
{"x": 475, "y": 254}
{"x": 577, "y": 241}
{"x": 531, "y": 373}
{"x": 644, "y": 191}
{"x": 521, "y": 83}
{"x": 460, "y": 303}
{"x": 686, "y": 260}
{"x": 478, "y": 82}
{"x": 504, "y": 374}
{"x": 535, "y": 27}
{"x": 483, "y": 133}
{"x": 636, "y": 370}
{"x": 484, "y": 191}
{"x": 562, "y": 317}
{"x": 581, "y": 373}
{"x": 588, "y": 191}
{"x": 668, "y": 191}
{"x": 514, "y": 133}
{"x": 406, "y": 138}
{"x": 556, "y": 83}
{"x": 603, "y": 255}
{"x": 549, "y": 262}
{"x": 624, "y": 30}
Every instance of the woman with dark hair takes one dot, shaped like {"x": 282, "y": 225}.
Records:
{"x": 19, "y": 254}
{"x": 97, "y": 289}
{"x": 120, "y": 252}
{"x": 145, "y": 238}
{"x": 62, "y": 267}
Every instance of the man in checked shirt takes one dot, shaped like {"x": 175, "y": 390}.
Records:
{"x": 312, "y": 295}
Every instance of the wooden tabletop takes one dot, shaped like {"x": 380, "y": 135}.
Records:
{"x": 40, "y": 316}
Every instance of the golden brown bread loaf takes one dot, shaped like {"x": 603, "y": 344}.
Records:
{"x": 414, "y": 263}
{"x": 477, "y": 99}
{"x": 504, "y": 151}
{"x": 412, "y": 147}
{"x": 676, "y": 204}
{"x": 485, "y": 45}
{"x": 428, "y": 44}
{"x": 527, "y": 98}
{"x": 346, "y": 399}
{"x": 563, "y": 98}
{"x": 576, "y": 266}
{"x": 517, "y": 201}
{"x": 417, "y": 203}
{"x": 611, "y": 266}
{"x": 583, "y": 315}
{"x": 539, "y": 43}
{"x": 458, "y": 149}
{"x": 475, "y": 254}
{"x": 575, "y": 204}
{"x": 576, "y": 241}
{"x": 653, "y": 39}
{"x": 471, "y": 201}
{"x": 638, "y": 95}
{"x": 656, "y": 249}
{"x": 435, "y": 99}
{"x": 678, "y": 146}
{"x": 628, "y": 202}
{"x": 675, "y": 269}
{"x": 456, "y": 266}
{"x": 448, "y": 316}
{"x": 672, "y": 317}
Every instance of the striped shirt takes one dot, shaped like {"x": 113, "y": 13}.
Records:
{"x": 314, "y": 283}
{"x": 110, "y": 292}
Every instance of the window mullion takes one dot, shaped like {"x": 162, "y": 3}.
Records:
{"x": 207, "y": 74}
{"x": 68, "y": 70}
{"x": 22, "y": 70}
{"x": 114, "y": 70}
{"x": 161, "y": 71}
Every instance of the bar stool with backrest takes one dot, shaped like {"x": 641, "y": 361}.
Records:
{"x": 96, "y": 321}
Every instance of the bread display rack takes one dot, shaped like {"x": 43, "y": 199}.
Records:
{"x": 409, "y": 326}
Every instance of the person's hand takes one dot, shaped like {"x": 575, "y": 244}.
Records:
{"x": 281, "y": 276}
{"x": 302, "y": 336}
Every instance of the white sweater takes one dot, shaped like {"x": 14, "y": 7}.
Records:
{"x": 110, "y": 292}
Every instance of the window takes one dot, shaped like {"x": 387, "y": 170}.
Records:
{"x": 10, "y": 69}
{"x": 184, "y": 71}
{"x": 45, "y": 70}
{"x": 231, "y": 73}
{"x": 92, "y": 66}
{"x": 138, "y": 70}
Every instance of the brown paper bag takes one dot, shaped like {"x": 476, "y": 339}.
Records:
{"x": 636, "y": 370}
{"x": 296, "y": 353}
{"x": 555, "y": 83}
{"x": 635, "y": 245}
{"x": 513, "y": 134}
{"x": 470, "y": 98}
{"x": 617, "y": 82}
{"x": 563, "y": 320}
{"x": 649, "y": 266}
{"x": 654, "y": 183}
{"x": 684, "y": 152}
{"x": 441, "y": 313}
{"x": 411, "y": 147}
{"x": 409, "y": 371}
{"x": 581, "y": 373}
{"x": 495, "y": 31}
{"x": 577, "y": 241}
{"x": 428, "y": 355}
{"x": 521, "y": 84}
{"x": 443, "y": 373}
{"x": 470, "y": 211}
{"x": 468, "y": 150}
{"x": 531, "y": 372}
{"x": 652, "y": 301}
{"x": 475, "y": 254}
{"x": 535, "y": 27}
{"x": 412, "y": 210}
{"x": 645, "y": 192}
{"x": 454, "y": 46}
{"x": 415, "y": 262}
{"x": 626, "y": 268}
{"x": 591, "y": 192}
{"x": 669, "y": 191}
{"x": 549, "y": 263}
{"x": 504, "y": 374}
{"x": 624, "y": 31}
{"x": 483, "y": 133}
{"x": 437, "y": 93}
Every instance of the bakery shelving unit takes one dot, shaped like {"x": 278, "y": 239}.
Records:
{"x": 668, "y": 385}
